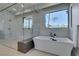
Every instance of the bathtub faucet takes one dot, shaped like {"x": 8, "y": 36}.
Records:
{"x": 52, "y": 35}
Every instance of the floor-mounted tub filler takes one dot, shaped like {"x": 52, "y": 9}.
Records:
{"x": 58, "y": 46}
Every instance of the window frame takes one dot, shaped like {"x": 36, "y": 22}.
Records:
{"x": 28, "y": 18}
{"x": 53, "y": 12}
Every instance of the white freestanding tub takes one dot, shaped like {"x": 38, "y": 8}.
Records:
{"x": 63, "y": 46}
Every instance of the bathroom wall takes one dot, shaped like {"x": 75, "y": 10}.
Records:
{"x": 75, "y": 22}
{"x": 2, "y": 36}
{"x": 7, "y": 25}
{"x": 12, "y": 26}
{"x": 60, "y": 32}
{"x": 39, "y": 25}
{"x": 34, "y": 30}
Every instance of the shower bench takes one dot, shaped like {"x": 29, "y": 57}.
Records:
{"x": 25, "y": 45}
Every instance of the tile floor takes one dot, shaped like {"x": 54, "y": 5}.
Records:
{"x": 9, "y": 48}
{"x": 5, "y": 51}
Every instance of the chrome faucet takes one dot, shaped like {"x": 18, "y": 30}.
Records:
{"x": 52, "y": 35}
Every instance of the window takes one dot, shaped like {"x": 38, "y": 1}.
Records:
{"x": 28, "y": 23}
{"x": 57, "y": 19}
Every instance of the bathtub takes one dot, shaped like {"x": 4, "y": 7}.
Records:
{"x": 62, "y": 46}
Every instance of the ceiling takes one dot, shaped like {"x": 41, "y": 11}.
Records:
{"x": 18, "y": 8}
{"x": 4, "y": 5}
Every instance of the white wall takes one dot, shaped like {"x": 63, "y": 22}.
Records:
{"x": 16, "y": 25}
{"x": 75, "y": 22}
{"x": 5, "y": 24}
{"x": 39, "y": 24}
{"x": 35, "y": 20}
{"x": 60, "y": 32}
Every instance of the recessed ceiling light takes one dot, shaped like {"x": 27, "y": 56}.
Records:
{"x": 22, "y": 5}
{"x": 14, "y": 9}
